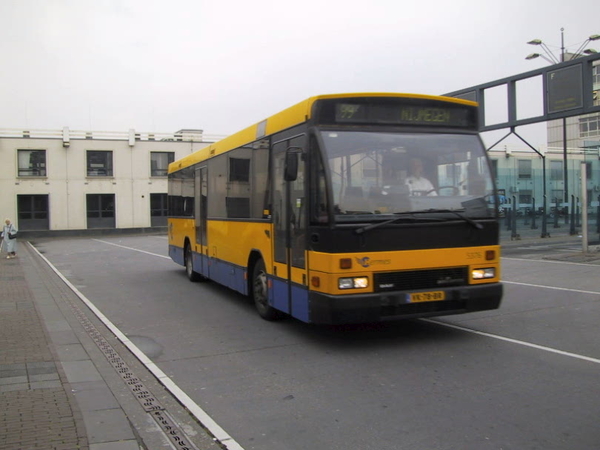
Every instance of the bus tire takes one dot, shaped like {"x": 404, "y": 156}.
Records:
{"x": 189, "y": 265}
{"x": 260, "y": 293}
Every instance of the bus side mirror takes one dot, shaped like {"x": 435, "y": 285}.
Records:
{"x": 291, "y": 164}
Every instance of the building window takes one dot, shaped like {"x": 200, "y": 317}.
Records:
{"x": 589, "y": 126}
{"x": 99, "y": 163}
{"x": 524, "y": 169}
{"x": 556, "y": 170}
{"x": 588, "y": 170}
{"x": 33, "y": 212}
{"x": 158, "y": 210}
{"x": 100, "y": 210}
{"x": 159, "y": 163}
{"x": 525, "y": 196}
{"x": 32, "y": 163}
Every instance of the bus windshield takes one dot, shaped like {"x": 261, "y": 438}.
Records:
{"x": 385, "y": 173}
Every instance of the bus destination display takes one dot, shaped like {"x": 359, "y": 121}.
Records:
{"x": 401, "y": 114}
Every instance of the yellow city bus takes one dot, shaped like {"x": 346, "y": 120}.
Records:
{"x": 345, "y": 208}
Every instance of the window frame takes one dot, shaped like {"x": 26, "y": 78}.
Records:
{"x": 42, "y": 170}
{"x": 589, "y": 126}
{"x": 556, "y": 173}
{"x": 108, "y": 164}
{"x": 524, "y": 169}
{"x": 163, "y": 170}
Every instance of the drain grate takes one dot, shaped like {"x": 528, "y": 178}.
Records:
{"x": 144, "y": 396}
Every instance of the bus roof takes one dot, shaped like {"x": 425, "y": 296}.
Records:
{"x": 294, "y": 115}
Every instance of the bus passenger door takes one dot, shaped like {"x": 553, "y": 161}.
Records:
{"x": 289, "y": 292}
{"x": 200, "y": 248}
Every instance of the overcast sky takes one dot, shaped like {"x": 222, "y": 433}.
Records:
{"x": 222, "y": 65}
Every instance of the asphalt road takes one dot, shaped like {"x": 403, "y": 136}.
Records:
{"x": 526, "y": 376}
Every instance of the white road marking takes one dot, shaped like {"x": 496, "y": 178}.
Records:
{"x": 551, "y": 287}
{"x": 515, "y": 341}
{"x": 551, "y": 262}
{"x": 131, "y": 248}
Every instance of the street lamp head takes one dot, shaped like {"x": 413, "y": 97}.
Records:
{"x": 537, "y": 42}
{"x": 594, "y": 37}
{"x": 590, "y": 51}
{"x": 533, "y": 56}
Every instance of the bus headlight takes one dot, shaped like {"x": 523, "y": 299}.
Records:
{"x": 353, "y": 283}
{"x": 480, "y": 274}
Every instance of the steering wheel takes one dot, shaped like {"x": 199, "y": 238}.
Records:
{"x": 421, "y": 193}
{"x": 455, "y": 190}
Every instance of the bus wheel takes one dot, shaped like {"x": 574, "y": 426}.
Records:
{"x": 189, "y": 265}
{"x": 260, "y": 293}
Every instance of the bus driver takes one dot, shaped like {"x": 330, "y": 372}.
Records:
{"x": 416, "y": 182}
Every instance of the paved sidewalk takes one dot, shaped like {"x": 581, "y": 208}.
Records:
{"x": 67, "y": 383}
{"x": 36, "y": 410}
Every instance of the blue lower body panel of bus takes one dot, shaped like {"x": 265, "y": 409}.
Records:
{"x": 362, "y": 308}
{"x": 176, "y": 254}
{"x": 292, "y": 300}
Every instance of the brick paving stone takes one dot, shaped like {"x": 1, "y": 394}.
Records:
{"x": 28, "y": 419}
{"x": 13, "y": 373}
{"x": 13, "y": 380}
{"x": 35, "y": 410}
{"x": 13, "y": 387}
{"x": 44, "y": 377}
{"x": 45, "y": 384}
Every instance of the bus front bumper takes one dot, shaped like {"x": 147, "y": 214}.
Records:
{"x": 375, "y": 307}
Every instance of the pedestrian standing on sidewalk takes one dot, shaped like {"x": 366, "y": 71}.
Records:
{"x": 9, "y": 239}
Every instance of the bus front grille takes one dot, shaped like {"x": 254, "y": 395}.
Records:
{"x": 420, "y": 279}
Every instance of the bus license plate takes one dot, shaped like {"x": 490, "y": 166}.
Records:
{"x": 432, "y": 296}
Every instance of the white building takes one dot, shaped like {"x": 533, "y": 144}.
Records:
{"x": 66, "y": 181}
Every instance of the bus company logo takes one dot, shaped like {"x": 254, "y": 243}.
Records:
{"x": 368, "y": 262}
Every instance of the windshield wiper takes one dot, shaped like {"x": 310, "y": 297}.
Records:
{"x": 410, "y": 217}
{"x": 404, "y": 216}
{"x": 456, "y": 213}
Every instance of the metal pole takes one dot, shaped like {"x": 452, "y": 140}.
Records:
{"x": 545, "y": 218}
{"x": 562, "y": 45}
{"x": 598, "y": 216}
{"x": 564, "y": 121}
{"x": 572, "y": 231}
{"x": 545, "y": 204}
{"x": 565, "y": 168}
{"x": 514, "y": 234}
{"x": 584, "y": 215}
